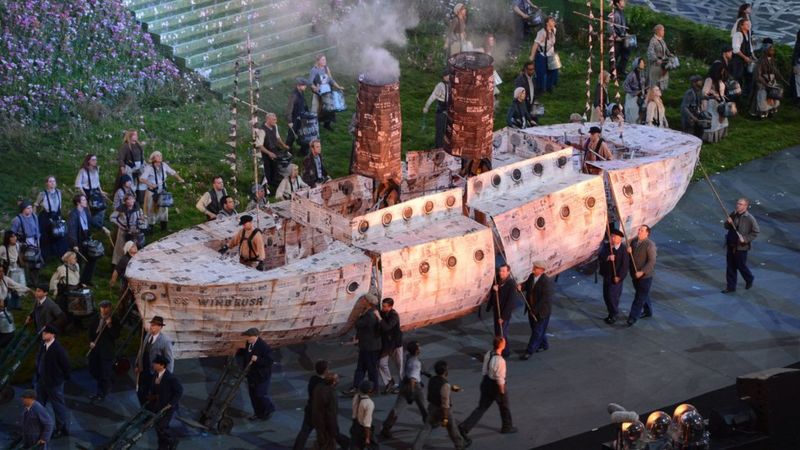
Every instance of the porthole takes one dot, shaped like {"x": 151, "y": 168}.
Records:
{"x": 627, "y": 190}
{"x": 590, "y": 202}
{"x": 352, "y": 287}
{"x": 478, "y": 186}
{"x": 438, "y": 158}
{"x": 451, "y": 201}
{"x": 326, "y": 192}
{"x": 496, "y": 180}
{"x": 424, "y": 267}
{"x": 148, "y": 297}
{"x": 428, "y": 208}
{"x": 386, "y": 219}
{"x": 363, "y": 226}
{"x": 451, "y": 262}
{"x": 562, "y": 161}
{"x": 478, "y": 255}
{"x": 515, "y": 233}
{"x": 407, "y": 213}
{"x": 538, "y": 168}
{"x": 564, "y": 212}
{"x": 346, "y": 188}
{"x": 540, "y": 223}
{"x": 397, "y": 274}
{"x": 516, "y": 175}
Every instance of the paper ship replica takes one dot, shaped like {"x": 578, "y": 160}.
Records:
{"x": 433, "y": 253}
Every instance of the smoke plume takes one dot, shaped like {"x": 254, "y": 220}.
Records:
{"x": 365, "y": 30}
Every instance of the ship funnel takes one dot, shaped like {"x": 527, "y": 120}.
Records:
{"x": 471, "y": 109}
{"x": 378, "y": 129}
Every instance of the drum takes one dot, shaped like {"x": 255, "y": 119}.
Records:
{"x": 775, "y": 92}
{"x": 80, "y": 302}
{"x": 96, "y": 201}
{"x": 672, "y": 63}
{"x": 705, "y": 120}
{"x": 58, "y": 227}
{"x": 733, "y": 89}
{"x": 727, "y": 109}
{"x": 32, "y": 257}
{"x": 94, "y": 248}
{"x": 142, "y": 224}
{"x": 309, "y": 128}
{"x": 630, "y": 41}
{"x": 165, "y": 200}
{"x": 535, "y": 17}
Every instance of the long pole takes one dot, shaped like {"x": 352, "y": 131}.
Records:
{"x": 602, "y": 55}
{"x": 621, "y": 223}
{"x": 103, "y": 325}
{"x": 611, "y": 249}
{"x": 719, "y": 199}
{"x": 253, "y": 134}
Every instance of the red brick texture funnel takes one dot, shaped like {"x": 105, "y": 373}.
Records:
{"x": 378, "y": 131}
{"x": 471, "y": 110}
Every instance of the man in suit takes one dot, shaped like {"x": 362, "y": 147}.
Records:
{"x": 314, "y": 172}
{"x": 45, "y": 310}
{"x": 155, "y": 344}
{"x": 52, "y": 370}
{"x": 742, "y": 231}
{"x": 368, "y": 335}
{"x": 613, "y": 260}
{"x": 320, "y": 372}
{"x": 503, "y": 293}
{"x": 643, "y": 264}
{"x": 294, "y": 111}
{"x": 538, "y": 289}
{"x": 164, "y": 392}
{"x": 258, "y": 354}
{"x": 103, "y": 331}
{"x": 391, "y": 345}
{"x": 324, "y": 414}
{"x": 37, "y": 425}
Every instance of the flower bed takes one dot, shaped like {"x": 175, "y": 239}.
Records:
{"x": 55, "y": 55}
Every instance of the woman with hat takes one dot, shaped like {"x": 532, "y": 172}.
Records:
{"x": 290, "y": 184}
{"x": 50, "y": 201}
{"x": 518, "y": 115}
{"x": 250, "y": 243}
{"x": 155, "y": 177}
{"x": 26, "y": 227}
{"x": 127, "y": 217}
{"x": 635, "y": 86}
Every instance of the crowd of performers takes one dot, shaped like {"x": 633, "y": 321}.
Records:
{"x": 140, "y": 201}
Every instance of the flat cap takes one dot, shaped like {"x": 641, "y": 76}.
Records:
{"x": 539, "y": 264}
{"x": 617, "y": 233}
{"x": 29, "y": 393}
{"x": 251, "y": 332}
{"x": 301, "y": 80}
{"x": 104, "y": 304}
{"x": 50, "y": 329}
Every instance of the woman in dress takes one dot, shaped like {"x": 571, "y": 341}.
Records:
{"x": 127, "y": 217}
{"x": 766, "y": 76}
{"x": 131, "y": 160}
{"x": 635, "y": 86}
{"x": 88, "y": 182}
{"x": 456, "y": 37}
{"x": 322, "y": 83}
{"x": 10, "y": 260}
{"x": 155, "y": 176}
{"x": 290, "y": 184}
{"x": 123, "y": 187}
{"x": 714, "y": 97}
{"x": 48, "y": 203}
{"x": 658, "y": 54}
{"x": 656, "y": 114}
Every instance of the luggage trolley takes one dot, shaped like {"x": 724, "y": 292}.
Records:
{"x": 133, "y": 430}
{"x": 213, "y": 417}
{"x": 12, "y": 358}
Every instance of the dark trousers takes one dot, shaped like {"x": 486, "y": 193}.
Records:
{"x": 166, "y": 438}
{"x": 737, "y": 262}
{"x": 291, "y": 137}
{"x": 433, "y": 421}
{"x": 55, "y": 396}
{"x": 145, "y": 379}
{"x": 367, "y": 365}
{"x": 641, "y": 297}
{"x": 406, "y": 397}
{"x": 545, "y": 78}
{"x": 490, "y": 393}
{"x": 101, "y": 369}
{"x": 329, "y": 439}
{"x": 502, "y": 331}
{"x": 611, "y": 294}
{"x": 441, "y": 128}
{"x": 538, "y": 334}
{"x": 259, "y": 397}
{"x": 88, "y": 269}
{"x": 524, "y": 30}
{"x": 621, "y": 55}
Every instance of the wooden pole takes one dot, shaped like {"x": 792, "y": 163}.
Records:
{"x": 256, "y": 182}
{"x": 622, "y": 223}
{"x": 719, "y": 199}
{"x": 602, "y": 55}
{"x": 611, "y": 249}
{"x": 103, "y": 325}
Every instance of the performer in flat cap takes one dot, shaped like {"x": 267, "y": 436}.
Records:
{"x": 250, "y": 242}
{"x": 259, "y": 354}
{"x": 538, "y": 290}
{"x": 614, "y": 261}
{"x": 440, "y": 95}
{"x": 52, "y": 371}
{"x": 165, "y": 391}
{"x": 155, "y": 344}
{"x": 103, "y": 331}
{"x": 595, "y": 149}
{"x": 742, "y": 231}
{"x": 37, "y": 425}
{"x": 295, "y": 109}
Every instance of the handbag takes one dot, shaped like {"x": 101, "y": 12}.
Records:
{"x": 553, "y": 62}
{"x": 775, "y": 92}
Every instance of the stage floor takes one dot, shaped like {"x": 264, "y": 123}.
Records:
{"x": 699, "y": 340}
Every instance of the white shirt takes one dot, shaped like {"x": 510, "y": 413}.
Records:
{"x": 413, "y": 369}
{"x": 494, "y": 366}
{"x": 153, "y": 338}
{"x": 363, "y": 407}
{"x": 159, "y": 375}
{"x": 541, "y": 37}
{"x": 90, "y": 180}
{"x": 738, "y": 40}
{"x": 156, "y": 176}
{"x": 48, "y": 344}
